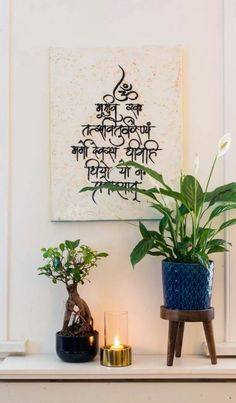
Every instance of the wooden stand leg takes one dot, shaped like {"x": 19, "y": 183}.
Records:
{"x": 208, "y": 329}
{"x": 179, "y": 340}
{"x": 173, "y": 328}
{"x": 177, "y": 319}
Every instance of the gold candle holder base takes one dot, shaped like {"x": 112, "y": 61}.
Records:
{"x": 116, "y": 358}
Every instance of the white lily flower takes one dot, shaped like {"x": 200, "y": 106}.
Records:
{"x": 224, "y": 144}
{"x": 196, "y": 164}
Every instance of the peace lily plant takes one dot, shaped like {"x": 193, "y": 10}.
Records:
{"x": 188, "y": 232}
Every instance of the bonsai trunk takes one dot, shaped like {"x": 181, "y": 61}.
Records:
{"x": 77, "y": 319}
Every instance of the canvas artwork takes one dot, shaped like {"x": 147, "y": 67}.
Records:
{"x": 109, "y": 105}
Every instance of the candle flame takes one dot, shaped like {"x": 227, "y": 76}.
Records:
{"x": 116, "y": 341}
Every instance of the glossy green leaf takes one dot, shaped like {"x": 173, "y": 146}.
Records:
{"x": 163, "y": 224}
{"x": 77, "y": 275}
{"x": 192, "y": 192}
{"x": 102, "y": 254}
{"x": 62, "y": 247}
{"x": 158, "y": 239}
{"x": 224, "y": 193}
{"x": 217, "y": 242}
{"x": 162, "y": 209}
{"x": 183, "y": 210}
{"x": 156, "y": 253}
{"x": 203, "y": 235}
{"x": 221, "y": 209}
{"x": 174, "y": 195}
{"x": 56, "y": 262}
{"x": 144, "y": 231}
{"x": 140, "y": 250}
{"x": 155, "y": 175}
{"x": 69, "y": 244}
{"x": 118, "y": 188}
{"x": 227, "y": 224}
{"x": 216, "y": 249}
{"x": 76, "y": 243}
{"x": 202, "y": 258}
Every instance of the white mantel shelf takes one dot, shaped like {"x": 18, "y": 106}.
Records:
{"x": 144, "y": 367}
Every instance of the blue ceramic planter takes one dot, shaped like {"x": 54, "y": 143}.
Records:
{"x": 187, "y": 286}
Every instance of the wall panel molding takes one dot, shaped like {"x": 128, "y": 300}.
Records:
{"x": 6, "y": 345}
{"x": 4, "y": 163}
{"x": 229, "y": 59}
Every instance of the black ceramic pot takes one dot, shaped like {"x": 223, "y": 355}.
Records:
{"x": 187, "y": 286}
{"x": 77, "y": 348}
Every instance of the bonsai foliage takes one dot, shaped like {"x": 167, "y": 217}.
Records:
{"x": 186, "y": 232}
{"x": 70, "y": 263}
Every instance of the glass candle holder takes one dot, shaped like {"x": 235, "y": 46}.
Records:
{"x": 116, "y": 352}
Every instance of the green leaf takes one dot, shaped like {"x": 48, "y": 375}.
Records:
{"x": 224, "y": 193}
{"x": 76, "y": 243}
{"x": 217, "y": 242}
{"x": 227, "y": 224}
{"x": 117, "y": 188}
{"x": 155, "y": 236}
{"x": 77, "y": 275}
{"x": 203, "y": 235}
{"x": 69, "y": 244}
{"x": 173, "y": 195}
{"x": 162, "y": 225}
{"x": 158, "y": 239}
{"x": 156, "y": 253}
{"x": 62, "y": 247}
{"x": 168, "y": 213}
{"x": 192, "y": 192}
{"x": 206, "y": 231}
{"x": 202, "y": 258}
{"x": 140, "y": 250}
{"x": 102, "y": 254}
{"x": 162, "y": 209}
{"x": 44, "y": 269}
{"x": 221, "y": 209}
{"x": 183, "y": 245}
{"x": 215, "y": 249}
{"x": 164, "y": 249}
{"x": 155, "y": 175}
{"x": 144, "y": 231}
{"x": 183, "y": 210}
{"x": 56, "y": 263}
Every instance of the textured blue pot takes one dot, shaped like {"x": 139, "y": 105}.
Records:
{"x": 187, "y": 286}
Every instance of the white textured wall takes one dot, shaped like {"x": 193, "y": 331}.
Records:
{"x": 36, "y": 306}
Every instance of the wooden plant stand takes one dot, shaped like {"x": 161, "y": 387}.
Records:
{"x": 177, "y": 319}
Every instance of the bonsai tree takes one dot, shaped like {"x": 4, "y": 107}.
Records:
{"x": 188, "y": 230}
{"x": 70, "y": 263}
